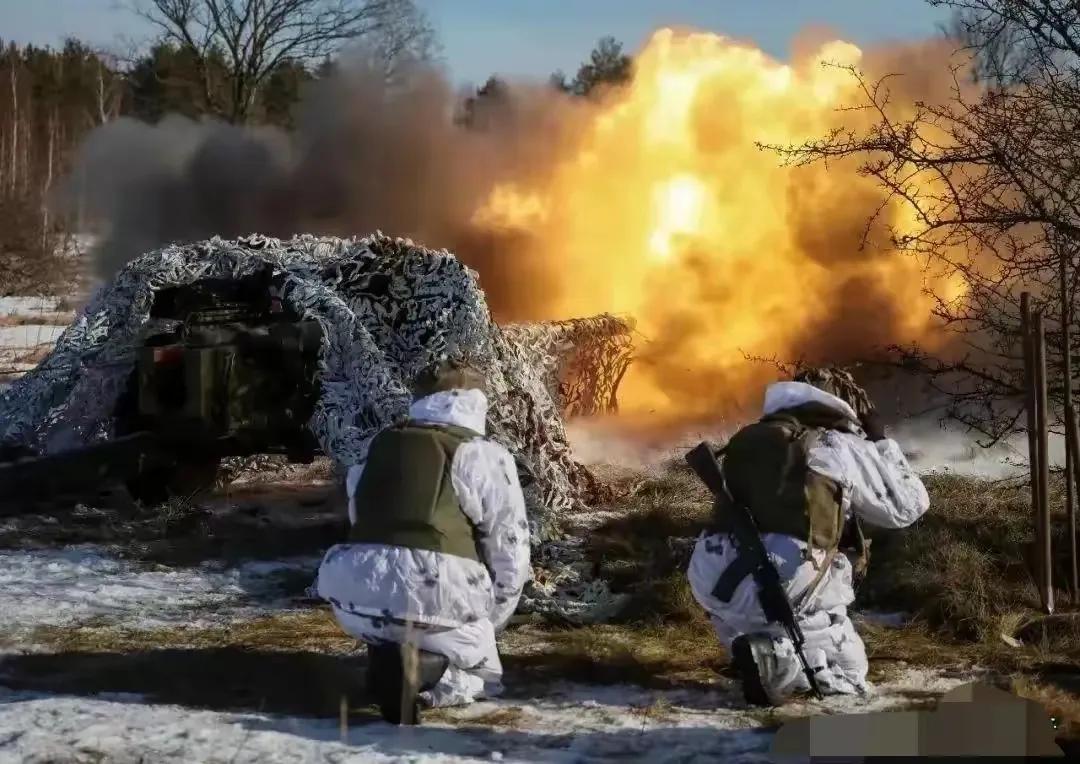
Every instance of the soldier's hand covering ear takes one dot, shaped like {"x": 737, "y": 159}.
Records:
{"x": 873, "y": 426}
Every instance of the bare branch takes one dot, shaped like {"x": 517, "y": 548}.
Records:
{"x": 257, "y": 37}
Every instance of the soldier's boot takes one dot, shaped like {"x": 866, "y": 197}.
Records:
{"x": 397, "y": 674}
{"x": 742, "y": 657}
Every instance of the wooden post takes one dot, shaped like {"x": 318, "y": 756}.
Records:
{"x": 1072, "y": 437}
{"x": 1046, "y": 584}
{"x": 1032, "y": 404}
{"x": 1070, "y": 446}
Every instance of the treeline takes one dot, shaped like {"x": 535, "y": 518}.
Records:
{"x": 50, "y": 99}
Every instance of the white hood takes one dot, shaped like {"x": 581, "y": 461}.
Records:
{"x": 786, "y": 395}
{"x": 463, "y": 408}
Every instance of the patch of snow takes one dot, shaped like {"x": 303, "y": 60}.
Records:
{"x": 49, "y": 728}
{"x": 28, "y": 306}
{"x": 35, "y": 728}
{"x": 566, "y": 723}
{"x": 78, "y": 585}
{"x": 29, "y": 335}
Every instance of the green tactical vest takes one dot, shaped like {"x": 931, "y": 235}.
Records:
{"x": 406, "y": 497}
{"x": 765, "y": 469}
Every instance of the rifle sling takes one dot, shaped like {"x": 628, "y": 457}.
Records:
{"x": 739, "y": 568}
{"x": 811, "y": 590}
{"x": 743, "y": 565}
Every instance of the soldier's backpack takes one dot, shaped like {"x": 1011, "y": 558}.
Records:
{"x": 765, "y": 469}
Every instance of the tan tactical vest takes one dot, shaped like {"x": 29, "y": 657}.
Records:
{"x": 406, "y": 497}
{"x": 765, "y": 469}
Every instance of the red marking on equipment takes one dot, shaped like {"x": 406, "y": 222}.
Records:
{"x": 168, "y": 356}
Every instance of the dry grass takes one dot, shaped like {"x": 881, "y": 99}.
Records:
{"x": 659, "y": 654}
{"x": 308, "y": 630}
{"x": 649, "y": 542}
{"x": 662, "y": 638}
{"x": 508, "y": 718}
{"x": 43, "y": 319}
{"x": 25, "y": 355}
{"x": 300, "y": 663}
{"x": 961, "y": 570}
{"x": 258, "y": 522}
{"x": 1062, "y": 705}
{"x": 964, "y": 567}
{"x": 267, "y": 470}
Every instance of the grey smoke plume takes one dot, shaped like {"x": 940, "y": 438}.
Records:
{"x": 364, "y": 156}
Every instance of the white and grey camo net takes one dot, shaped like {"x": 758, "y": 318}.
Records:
{"x": 388, "y": 308}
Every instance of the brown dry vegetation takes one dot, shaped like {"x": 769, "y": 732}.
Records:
{"x": 307, "y": 630}
{"x": 245, "y": 522}
{"x": 298, "y": 663}
{"x": 964, "y": 566}
{"x": 43, "y": 319}
{"x": 662, "y": 638}
{"x": 961, "y": 571}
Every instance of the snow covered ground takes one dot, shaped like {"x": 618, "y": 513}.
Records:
{"x": 569, "y": 723}
{"x": 558, "y": 722}
{"x": 566, "y": 726}
{"x": 29, "y": 335}
{"x": 28, "y": 306}
{"x": 80, "y": 585}
{"x": 29, "y": 327}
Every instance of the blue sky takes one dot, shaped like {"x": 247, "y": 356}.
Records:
{"x": 536, "y": 37}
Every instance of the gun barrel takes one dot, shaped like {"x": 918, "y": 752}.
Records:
{"x": 44, "y": 476}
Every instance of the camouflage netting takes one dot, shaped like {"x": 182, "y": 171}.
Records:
{"x": 388, "y": 308}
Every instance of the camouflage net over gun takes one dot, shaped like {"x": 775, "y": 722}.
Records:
{"x": 388, "y": 308}
{"x": 587, "y": 358}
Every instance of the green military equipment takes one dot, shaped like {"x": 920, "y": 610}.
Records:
{"x": 406, "y": 496}
{"x": 32, "y": 477}
{"x": 765, "y": 468}
{"x": 224, "y": 368}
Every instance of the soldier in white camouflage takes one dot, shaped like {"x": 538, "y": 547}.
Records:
{"x": 438, "y": 552}
{"x": 815, "y": 465}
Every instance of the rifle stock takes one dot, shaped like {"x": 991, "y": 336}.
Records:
{"x": 771, "y": 595}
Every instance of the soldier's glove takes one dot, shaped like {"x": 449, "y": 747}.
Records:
{"x": 873, "y": 426}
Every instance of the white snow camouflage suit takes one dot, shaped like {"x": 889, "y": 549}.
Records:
{"x": 454, "y": 606}
{"x": 882, "y": 490}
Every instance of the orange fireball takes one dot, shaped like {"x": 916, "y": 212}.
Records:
{"x": 668, "y": 210}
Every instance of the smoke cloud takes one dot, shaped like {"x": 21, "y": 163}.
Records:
{"x": 653, "y": 202}
{"x": 364, "y": 156}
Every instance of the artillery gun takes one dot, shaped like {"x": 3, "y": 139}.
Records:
{"x": 223, "y": 368}
{"x": 205, "y": 350}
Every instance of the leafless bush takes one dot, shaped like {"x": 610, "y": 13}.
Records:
{"x": 989, "y": 177}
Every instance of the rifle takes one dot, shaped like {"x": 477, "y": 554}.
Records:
{"x": 771, "y": 595}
